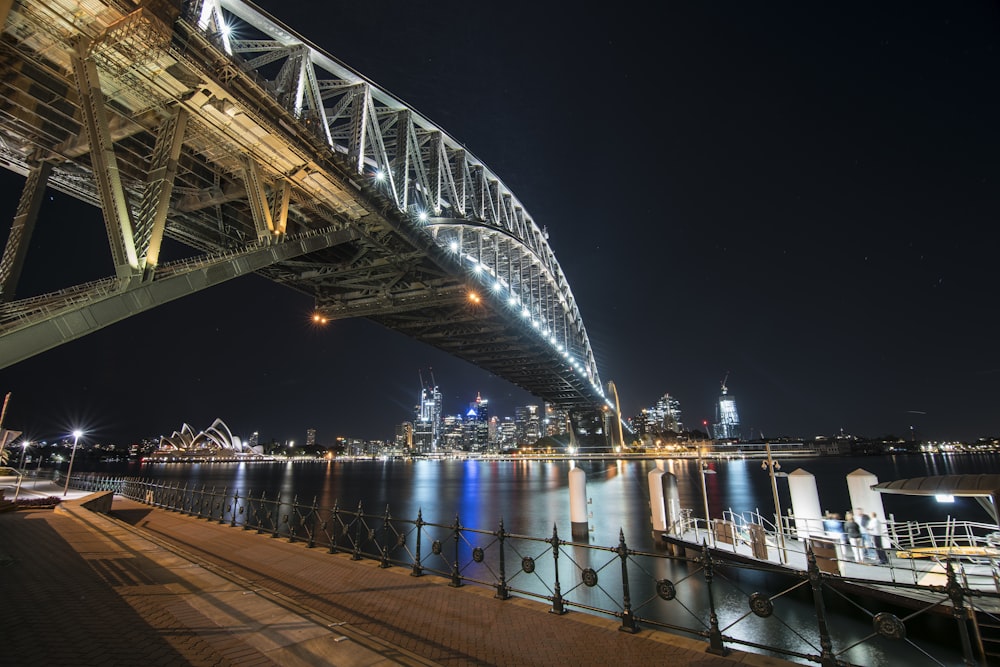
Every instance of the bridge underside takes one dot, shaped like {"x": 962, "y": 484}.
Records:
{"x": 137, "y": 109}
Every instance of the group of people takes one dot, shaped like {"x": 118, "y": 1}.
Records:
{"x": 862, "y": 532}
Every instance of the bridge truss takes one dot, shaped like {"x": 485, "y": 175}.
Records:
{"x": 212, "y": 124}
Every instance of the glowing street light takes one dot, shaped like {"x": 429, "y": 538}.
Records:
{"x": 24, "y": 448}
{"x": 76, "y": 439}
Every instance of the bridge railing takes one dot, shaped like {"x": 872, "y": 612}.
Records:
{"x": 724, "y": 602}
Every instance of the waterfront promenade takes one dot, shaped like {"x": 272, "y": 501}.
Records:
{"x": 152, "y": 587}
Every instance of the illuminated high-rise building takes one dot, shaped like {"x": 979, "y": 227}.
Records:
{"x": 310, "y": 437}
{"x": 427, "y": 426}
{"x": 528, "y": 423}
{"x": 404, "y": 436}
{"x": 555, "y": 421}
{"x": 663, "y": 417}
{"x": 477, "y": 420}
{"x": 727, "y": 419}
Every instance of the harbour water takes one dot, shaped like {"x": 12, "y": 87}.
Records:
{"x": 532, "y": 498}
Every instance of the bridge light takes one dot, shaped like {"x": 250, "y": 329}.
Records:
{"x": 478, "y": 268}
{"x": 525, "y": 314}
{"x": 454, "y": 246}
{"x": 422, "y": 216}
{"x": 319, "y": 318}
{"x": 497, "y": 287}
{"x": 226, "y": 30}
{"x": 512, "y": 300}
{"x": 473, "y": 297}
{"x": 379, "y": 175}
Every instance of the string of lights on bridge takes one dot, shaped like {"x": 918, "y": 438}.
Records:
{"x": 498, "y": 286}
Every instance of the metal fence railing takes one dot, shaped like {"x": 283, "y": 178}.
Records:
{"x": 726, "y": 602}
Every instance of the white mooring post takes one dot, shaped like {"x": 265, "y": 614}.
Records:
{"x": 657, "y": 508}
{"x": 805, "y": 504}
{"x": 859, "y": 486}
{"x": 578, "y": 502}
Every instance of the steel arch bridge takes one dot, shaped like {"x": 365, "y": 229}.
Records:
{"x": 213, "y": 124}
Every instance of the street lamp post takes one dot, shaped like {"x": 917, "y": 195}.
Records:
{"x": 702, "y": 471}
{"x": 72, "y": 456}
{"x": 770, "y": 465}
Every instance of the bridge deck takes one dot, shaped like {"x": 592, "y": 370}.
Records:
{"x": 148, "y": 586}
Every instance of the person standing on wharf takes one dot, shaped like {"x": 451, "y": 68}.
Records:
{"x": 874, "y": 529}
{"x": 866, "y": 537}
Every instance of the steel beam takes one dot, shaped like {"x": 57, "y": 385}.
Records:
{"x": 114, "y": 202}
{"x": 259, "y": 207}
{"x": 152, "y": 217}
{"x": 22, "y": 228}
{"x": 79, "y": 319}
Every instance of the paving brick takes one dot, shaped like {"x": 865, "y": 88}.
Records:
{"x": 92, "y": 591}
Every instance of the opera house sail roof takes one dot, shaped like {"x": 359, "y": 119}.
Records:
{"x": 216, "y": 441}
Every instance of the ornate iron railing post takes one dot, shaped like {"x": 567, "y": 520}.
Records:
{"x": 334, "y": 532}
{"x": 456, "y": 578}
{"x": 277, "y": 515}
{"x": 357, "y": 534}
{"x": 289, "y": 521}
{"x": 261, "y": 508}
{"x": 247, "y": 507}
{"x": 201, "y": 502}
{"x": 385, "y": 539}
{"x": 557, "y": 599}
{"x": 312, "y": 531}
{"x": 503, "y": 592}
{"x": 222, "y": 504}
{"x": 827, "y": 658}
{"x": 715, "y": 645}
{"x": 628, "y": 618}
{"x": 418, "y": 569}
{"x": 960, "y": 614}
{"x": 185, "y": 500}
{"x": 236, "y": 503}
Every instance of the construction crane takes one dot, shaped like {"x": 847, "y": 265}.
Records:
{"x": 724, "y": 389}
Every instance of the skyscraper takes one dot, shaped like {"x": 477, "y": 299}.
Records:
{"x": 727, "y": 420}
{"x": 427, "y": 426}
{"x": 477, "y": 420}
{"x": 528, "y": 423}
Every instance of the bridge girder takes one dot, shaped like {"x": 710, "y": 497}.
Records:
{"x": 275, "y": 129}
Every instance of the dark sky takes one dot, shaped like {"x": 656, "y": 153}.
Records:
{"x": 801, "y": 195}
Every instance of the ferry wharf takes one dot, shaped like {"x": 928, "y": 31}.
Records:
{"x": 131, "y": 584}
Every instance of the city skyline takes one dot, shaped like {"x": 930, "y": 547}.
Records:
{"x": 799, "y": 197}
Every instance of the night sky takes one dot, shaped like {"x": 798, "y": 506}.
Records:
{"x": 802, "y": 196}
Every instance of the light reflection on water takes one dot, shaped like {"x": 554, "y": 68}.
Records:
{"x": 532, "y": 497}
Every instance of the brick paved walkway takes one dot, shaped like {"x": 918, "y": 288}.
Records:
{"x": 152, "y": 587}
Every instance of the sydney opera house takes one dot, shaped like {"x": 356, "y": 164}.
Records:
{"x": 216, "y": 443}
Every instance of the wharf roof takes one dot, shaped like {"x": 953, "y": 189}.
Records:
{"x": 951, "y": 485}
{"x": 984, "y": 488}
